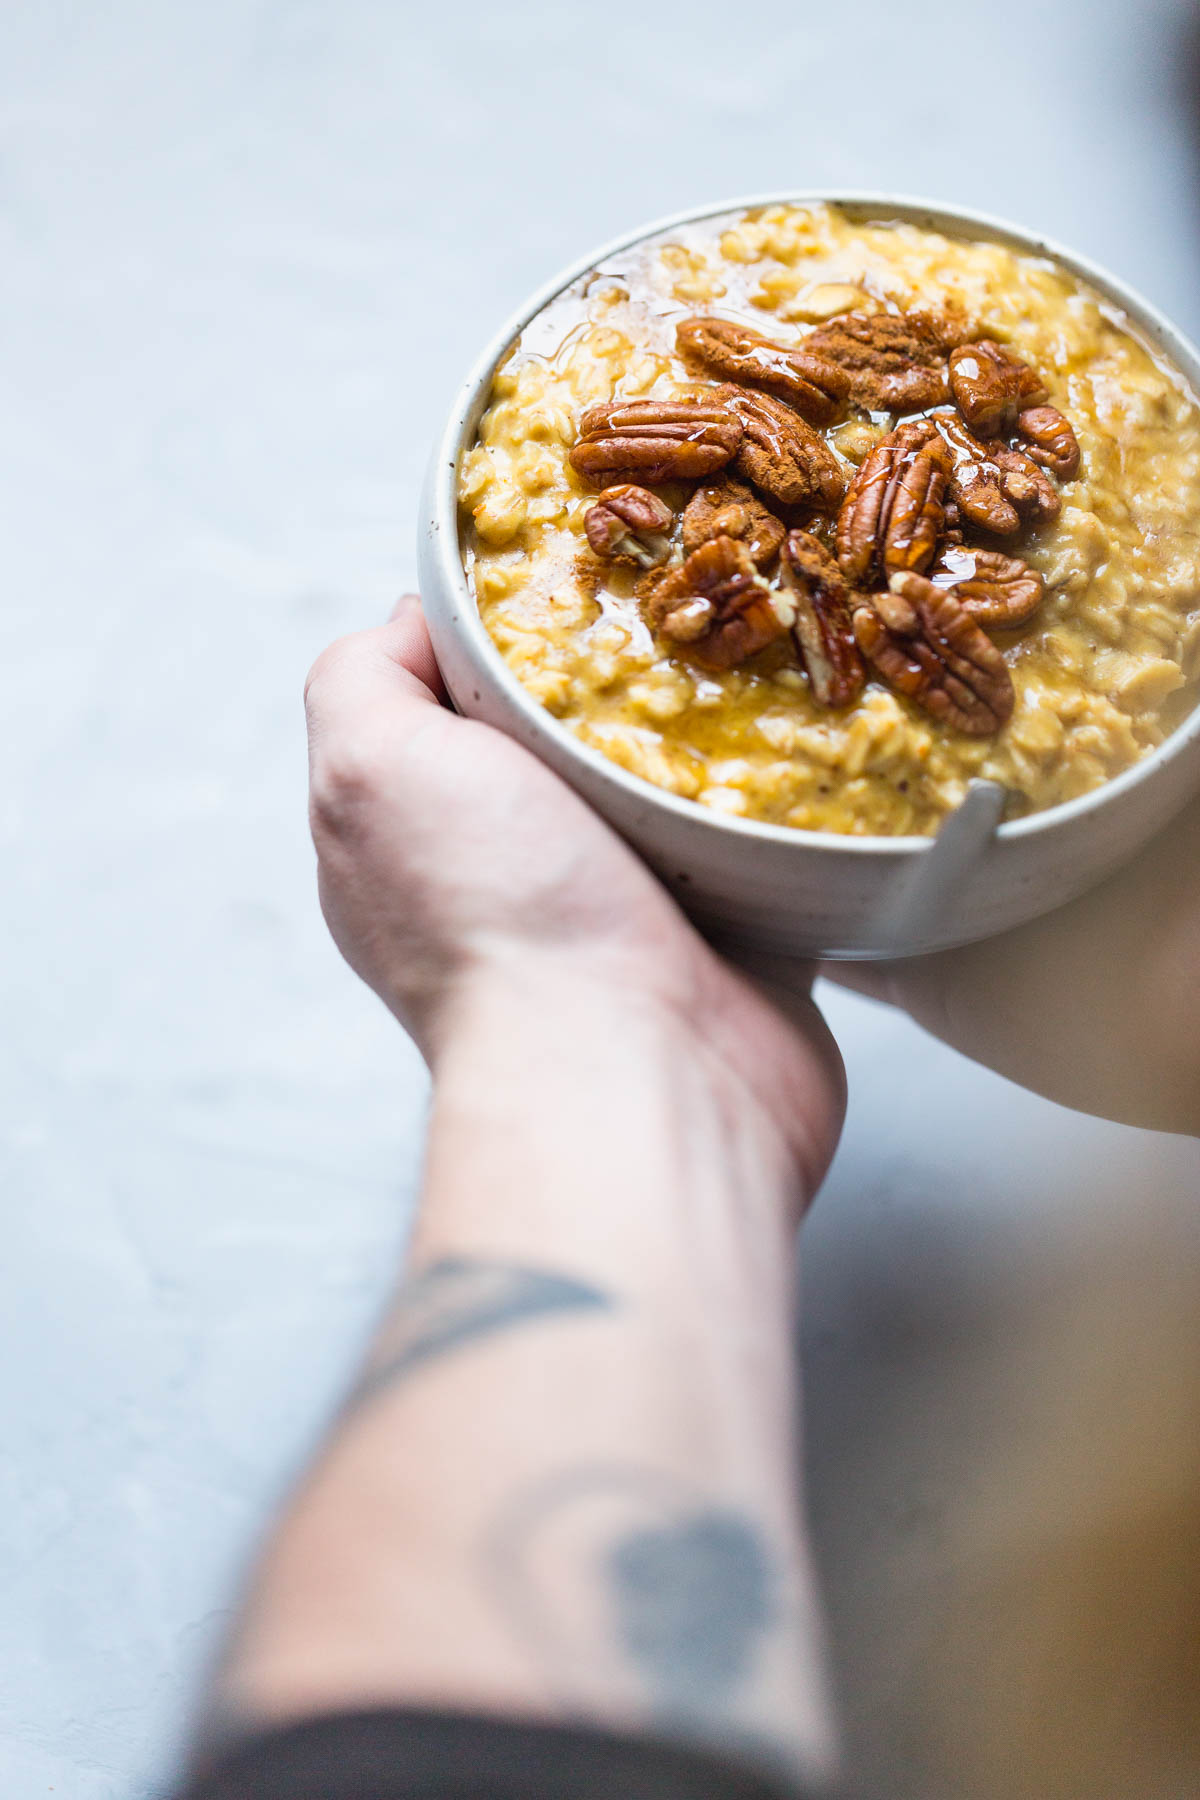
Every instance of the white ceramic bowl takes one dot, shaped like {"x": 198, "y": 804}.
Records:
{"x": 768, "y": 886}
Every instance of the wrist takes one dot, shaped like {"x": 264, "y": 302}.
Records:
{"x": 598, "y": 1098}
{"x": 558, "y": 976}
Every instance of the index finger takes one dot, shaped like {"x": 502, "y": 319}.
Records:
{"x": 393, "y": 662}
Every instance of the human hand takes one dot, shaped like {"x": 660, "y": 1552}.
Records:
{"x": 1093, "y": 1006}
{"x": 447, "y": 854}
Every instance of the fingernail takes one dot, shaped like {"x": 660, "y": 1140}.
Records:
{"x": 404, "y": 604}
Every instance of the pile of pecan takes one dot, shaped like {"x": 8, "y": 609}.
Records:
{"x": 899, "y": 573}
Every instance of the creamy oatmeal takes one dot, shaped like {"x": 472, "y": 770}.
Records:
{"x": 812, "y": 521}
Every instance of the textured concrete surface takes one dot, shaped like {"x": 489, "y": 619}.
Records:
{"x": 247, "y": 250}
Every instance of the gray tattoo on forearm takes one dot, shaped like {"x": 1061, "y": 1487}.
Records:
{"x": 692, "y": 1599}
{"x": 628, "y": 1570}
{"x": 460, "y": 1299}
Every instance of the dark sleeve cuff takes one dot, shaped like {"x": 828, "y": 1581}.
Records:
{"x": 406, "y": 1755}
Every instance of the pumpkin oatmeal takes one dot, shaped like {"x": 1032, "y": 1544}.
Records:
{"x": 812, "y": 521}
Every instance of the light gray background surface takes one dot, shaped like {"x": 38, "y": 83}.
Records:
{"x": 248, "y": 250}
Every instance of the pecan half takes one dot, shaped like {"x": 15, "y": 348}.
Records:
{"x": 896, "y": 361}
{"x": 782, "y": 455}
{"x": 923, "y": 643}
{"x": 1050, "y": 440}
{"x": 728, "y": 508}
{"x": 991, "y": 386}
{"x": 627, "y": 524}
{"x": 893, "y": 514}
{"x": 1028, "y": 488}
{"x": 717, "y": 604}
{"x": 655, "y": 440}
{"x": 816, "y": 387}
{"x": 976, "y": 485}
{"x": 822, "y": 628}
{"x": 996, "y": 590}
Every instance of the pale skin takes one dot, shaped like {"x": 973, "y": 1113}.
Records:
{"x": 1094, "y": 1005}
{"x": 584, "y": 1392}
{"x": 566, "y": 1486}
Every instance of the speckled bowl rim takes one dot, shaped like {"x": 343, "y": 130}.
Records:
{"x": 470, "y": 402}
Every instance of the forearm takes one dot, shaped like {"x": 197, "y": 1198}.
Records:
{"x": 567, "y": 1484}
{"x": 1092, "y": 1005}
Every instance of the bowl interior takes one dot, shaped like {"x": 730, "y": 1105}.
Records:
{"x": 1144, "y": 319}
